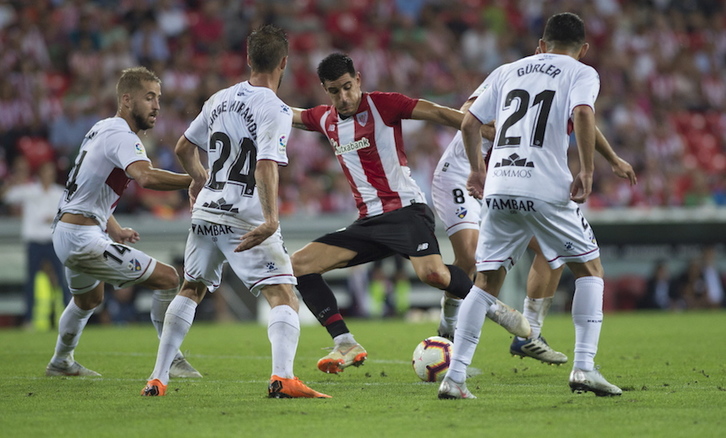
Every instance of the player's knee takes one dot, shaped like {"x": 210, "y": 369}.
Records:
{"x": 164, "y": 277}
{"x": 281, "y": 295}
{"x": 300, "y": 263}
{"x": 434, "y": 278}
{"x": 90, "y": 300}
{"x": 592, "y": 268}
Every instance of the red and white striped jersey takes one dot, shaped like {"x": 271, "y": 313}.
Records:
{"x": 369, "y": 147}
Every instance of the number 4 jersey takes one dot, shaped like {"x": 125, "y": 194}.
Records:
{"x": 237, "y": 127}
{"x": 98, "y": 177}
{"x": 532, "y": 102}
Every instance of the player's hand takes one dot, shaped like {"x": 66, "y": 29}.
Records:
{"x": 475, "y": 182}
{"x": 125, "y": 235}
{"x": 256, "y": 236}
{"x": 581, "y": 187}
{"x": 623, "y": 169}
{"x": 194, "y": 188}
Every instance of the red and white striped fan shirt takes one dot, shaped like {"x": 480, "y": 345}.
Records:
{"x": 369, "y": 147}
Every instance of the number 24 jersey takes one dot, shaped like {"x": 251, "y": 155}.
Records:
{"x": 237, "y": 127}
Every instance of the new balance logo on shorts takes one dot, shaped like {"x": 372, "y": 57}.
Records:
{"x": 422, "y": 246}
{"x": 211, "y": 230}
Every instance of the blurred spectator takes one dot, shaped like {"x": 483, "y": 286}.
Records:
{"x": 661, "y": 102}
{"x": 660, "y": 292}
{"x": 691, "y": 287}
{"x": 712, "y": 278}
{"x": 148, "y": 43}
{"x": 38, "y": 201}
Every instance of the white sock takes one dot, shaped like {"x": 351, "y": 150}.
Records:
{"x": 160, "y": 301}
{"x": 283, "y": 331}
{"x": 345, "y": 338}
{"x": 471, "y": 319}
{"x": 70, "y": 327}
{"x": 535, "y": 310}
{"x": 449, "y": 314}
{"x": 178, "y": 320}
{"x": 587, "y": 316}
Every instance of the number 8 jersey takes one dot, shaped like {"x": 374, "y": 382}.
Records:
{"x": 237, "y": 127}
{"x": 532, "y": 101}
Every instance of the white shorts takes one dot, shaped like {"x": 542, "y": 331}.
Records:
{"x": 91, "y": 257}
{"x": 210, "y": 245}
{"x": 509, "y": 223}
{"x": 452, "y": 202}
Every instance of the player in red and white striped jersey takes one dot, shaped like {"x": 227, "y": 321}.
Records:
{"x": 364, "y": 130}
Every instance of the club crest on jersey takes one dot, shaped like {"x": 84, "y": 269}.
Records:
{"x": 461, "y": 212}
{"x": 139, "y": 149}
{"x": 134, "y": 266}
{"x": 362, "y": 118}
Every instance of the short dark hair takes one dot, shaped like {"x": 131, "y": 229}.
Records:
{"x": 564, "y": 30}
{"x": 266, "y": 47}
{"x": 131, "y": 79}
{"x": 334, "y": 66}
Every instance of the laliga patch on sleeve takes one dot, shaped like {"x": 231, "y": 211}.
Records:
{"x": 140, "y": 149}
{"x": 282, "y": 144}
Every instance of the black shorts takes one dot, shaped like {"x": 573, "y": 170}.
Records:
{"x": 408, "y": 231}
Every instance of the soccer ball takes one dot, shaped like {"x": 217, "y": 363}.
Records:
{"x": 431, "y": 358}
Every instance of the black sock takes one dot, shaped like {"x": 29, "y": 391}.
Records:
{"x": 319, "y": 298}
{"x": 460, "y": 283}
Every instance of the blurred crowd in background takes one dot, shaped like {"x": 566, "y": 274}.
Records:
{"x": 662, "y": 66}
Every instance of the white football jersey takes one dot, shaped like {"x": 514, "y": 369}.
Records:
{"x": 532, "y": 101}
{"x": 98, "y": 177}
{"x": 237, "y": 127}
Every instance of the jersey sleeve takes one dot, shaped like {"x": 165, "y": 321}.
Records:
{"x": 311, "y": 118}
{"x": 273, "y": 132}
{"x": 585, "y": 88}
{"x": 126, "y": 149}
{"x": 197, "y": 132}
{"x": 484, "y": 107}
{"x": 393, "y": 106}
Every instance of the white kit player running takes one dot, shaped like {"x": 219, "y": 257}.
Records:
{"x": 531, "y": 192}
{"x": 244, "y": 130}
{"x": 461, "y": 215}
{"x": 86, "y": 236}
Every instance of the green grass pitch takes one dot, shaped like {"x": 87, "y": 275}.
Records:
{"x": 672, "y": 368}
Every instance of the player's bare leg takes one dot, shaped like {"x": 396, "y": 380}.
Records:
{"x": 542, "y": 283}
{"x": 309, "y": 263}
{"x": 587, "y": 316}
{"x": 70, "y": 327}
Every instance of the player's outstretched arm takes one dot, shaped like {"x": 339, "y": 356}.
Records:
{"x": 150, "y": 177}
{"x": 297, "y": 119}
{"x": 432, "y": 112}
{"x": 620, "y": 167}
{"x": 188, "y": 155}
{"x": 266, "y": 182}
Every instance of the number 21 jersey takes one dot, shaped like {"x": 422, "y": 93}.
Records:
{"x": 237, "y": 127}
{"x": 532, "y": 100}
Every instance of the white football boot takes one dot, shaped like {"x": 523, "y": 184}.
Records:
{"x": 584, "y": 381}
